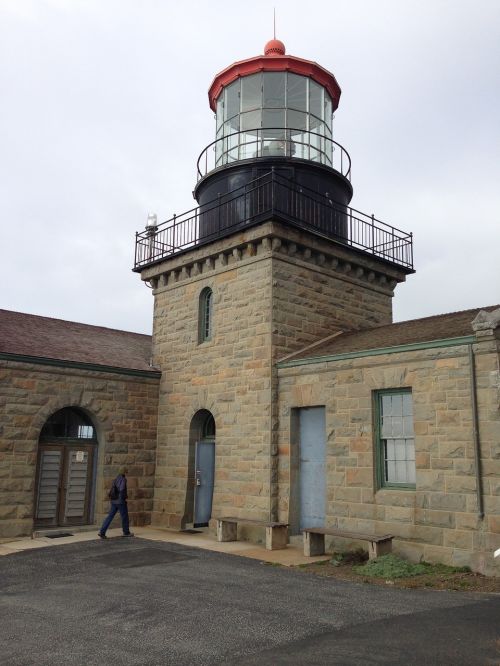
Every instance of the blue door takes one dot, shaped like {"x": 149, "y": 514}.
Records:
{"x": 204, "y": 466}
{"x": 312, "y": 462}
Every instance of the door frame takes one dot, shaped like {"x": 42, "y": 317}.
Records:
{"x": 210, "y": 442}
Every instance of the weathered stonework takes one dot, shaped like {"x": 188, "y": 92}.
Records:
{"x": 123, "y": 410}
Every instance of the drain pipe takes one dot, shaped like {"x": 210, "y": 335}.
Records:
{"x": 475, "y": 427}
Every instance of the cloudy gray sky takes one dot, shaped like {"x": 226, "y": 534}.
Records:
{"x": 104, "y": 111}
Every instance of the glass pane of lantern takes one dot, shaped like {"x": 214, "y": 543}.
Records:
{"x": 274, "y": 118}
{"x": 274, "y": 89}
{"x": 232, "y": 99}
{"x": 297, "y": 92}
{"x": 220, "y": 111}
{"x": 296, "y": 119}
{"x": 251, "y": 92}
{"x": 328, "y": 110}
{"x": 316, "y": 100}
{"x": 250, "y": 120}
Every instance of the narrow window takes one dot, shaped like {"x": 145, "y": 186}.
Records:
{"x": 395, "y": 439}
{"x": 205, "y": 315}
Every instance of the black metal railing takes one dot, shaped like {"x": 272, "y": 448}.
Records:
{"x": 268, "y": 197}
{"x": 274, "y": 142}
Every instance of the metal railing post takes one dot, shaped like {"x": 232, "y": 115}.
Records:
{"x": 373, "y": 234}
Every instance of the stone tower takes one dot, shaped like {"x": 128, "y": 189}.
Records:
{"x": 272, "y": 260}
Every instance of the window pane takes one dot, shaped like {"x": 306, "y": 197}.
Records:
{"x": 274, "y": 89}
{"x": 220, "y": 111}
{"x": 250, "y": 120}
{"x": 408, "y": 426}
{"x": 232, "y": 100}
{"x": 251, "y": 92}
{"x": 407, "y": 404}
{"x": 386, "y": 405}
{"x": 397, "y": 426}
{"x": 249, "y": 145}
{"x": 328, "y": 109}
{"x": 400, "y": 449}
{"x": 400, "y": 472}
{"x": 296, "y": 120}
{"x": 273, "y": 118}
{"x": 397, "y": 405}
{"x": 297, "y": 92}
{"x": 316, "y": 99}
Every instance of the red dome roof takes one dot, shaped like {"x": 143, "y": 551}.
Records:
{"x": 274, "y": 60}
{"x": 274, "y": 47}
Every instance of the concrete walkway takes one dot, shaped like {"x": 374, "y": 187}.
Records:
{"x": 291, "y": 556}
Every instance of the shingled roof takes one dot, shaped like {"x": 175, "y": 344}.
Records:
{"x": 428, "y": 329}
{"x": 47, "y": 338}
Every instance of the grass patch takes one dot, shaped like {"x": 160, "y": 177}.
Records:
{"x": 391, "y": 567}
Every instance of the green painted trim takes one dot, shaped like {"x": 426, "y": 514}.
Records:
{"x": 413, "y": 346}
{"x": 77, "y": 365}
{"x": 382, "y": 484}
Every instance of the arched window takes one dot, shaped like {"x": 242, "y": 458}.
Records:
{"x": 205, "y": 315}
{"x": 208, "y": 427}
{"x": 68, "y": 424}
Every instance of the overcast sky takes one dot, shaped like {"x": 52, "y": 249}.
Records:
{"x": 104, "y": 111}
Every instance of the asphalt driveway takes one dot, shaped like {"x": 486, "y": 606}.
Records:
{"x": 136, "y": 601}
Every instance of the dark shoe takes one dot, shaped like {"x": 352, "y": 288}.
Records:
{"x": 101, "y": 536}
{"x": 129, "y": 534}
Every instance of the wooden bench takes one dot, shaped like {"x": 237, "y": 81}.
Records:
{"x": 276, "y": 533}
{"x": 314, "y": 541}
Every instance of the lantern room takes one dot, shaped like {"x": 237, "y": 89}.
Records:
{"x": 274, "y": 111}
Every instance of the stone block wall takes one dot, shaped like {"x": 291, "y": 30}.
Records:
{"x": 439, "y": 520}
{"x": 320, "y": 288}
{"x": 124, "y": 411}
{"x": 229, "y": 375}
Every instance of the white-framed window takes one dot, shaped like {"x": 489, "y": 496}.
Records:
{"x": 395, "y": 439}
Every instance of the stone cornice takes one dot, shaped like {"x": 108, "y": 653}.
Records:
{"x": 273, "y": 239}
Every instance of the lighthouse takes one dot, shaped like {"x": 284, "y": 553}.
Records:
{"x": 272, "y": 260}
{"x": 274, "y": 116}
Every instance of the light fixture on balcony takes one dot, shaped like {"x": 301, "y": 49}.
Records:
{"x": 152, "y": 222}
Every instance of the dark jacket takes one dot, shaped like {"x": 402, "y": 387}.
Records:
{"x": 121, "y": 484}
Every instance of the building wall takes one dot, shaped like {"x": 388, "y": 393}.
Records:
{"x": 438, "y": 521}
{"x": 124, "y": 411}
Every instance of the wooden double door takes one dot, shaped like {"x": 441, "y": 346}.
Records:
{"x": 64, "y": 484}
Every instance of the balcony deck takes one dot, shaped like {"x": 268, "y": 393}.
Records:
{"x": 273, "y": 197}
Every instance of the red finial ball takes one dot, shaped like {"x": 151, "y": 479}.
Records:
{"x": 274, "y": 47}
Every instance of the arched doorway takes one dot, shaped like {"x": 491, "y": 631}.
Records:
{"x": 65, "y": 470}
{"x": 201, "y": 469}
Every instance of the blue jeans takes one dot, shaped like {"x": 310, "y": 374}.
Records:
{"x": 123, "y": 509}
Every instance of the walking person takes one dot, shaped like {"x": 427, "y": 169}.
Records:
{"x": 118, "y": 496}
